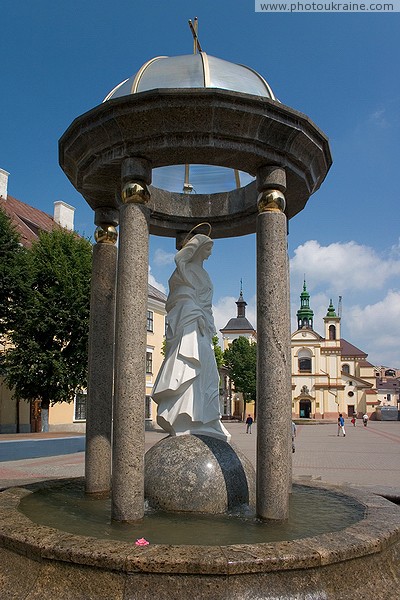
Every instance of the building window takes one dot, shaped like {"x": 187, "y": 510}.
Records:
{"x": 346, "y": 369}
{"x": 332, "y": 332}
{"x": 147, "y": 408}
{"x": 149, "y": 363}
{"x": 390, "y": 373}
{"x": 305, "y": 365}
{"x": 150, "y": 320}
{"x": 80, "y": 406}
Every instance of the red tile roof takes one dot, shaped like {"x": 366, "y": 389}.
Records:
{"x": 365, "y": 363}
{"x": 27, "y": 220}
{"x": 348, "y": 349}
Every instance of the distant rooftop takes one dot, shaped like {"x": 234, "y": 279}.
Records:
{"x": 27, "y": 220}
{"x": 156, "y": 294}
{"x": 238, "y": 324}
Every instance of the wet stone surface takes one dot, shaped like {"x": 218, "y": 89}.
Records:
{"x": 59, "y": 565}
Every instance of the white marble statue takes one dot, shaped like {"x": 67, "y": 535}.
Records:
{"x": 187, "y": 387}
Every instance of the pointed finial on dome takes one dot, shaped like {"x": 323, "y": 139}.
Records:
{"x": 194, "y": 28}
{"x": 241, "y": 303}
{"x": 331, "y": 310}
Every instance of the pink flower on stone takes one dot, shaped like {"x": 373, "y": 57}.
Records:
{"x": 142, "y": 542}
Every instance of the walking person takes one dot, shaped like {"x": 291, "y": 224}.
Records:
{"x": 340, "y": 423}
{"x": 353, "y": 421}
{"x": 249, "y": 423}
{"x": 365, "y": 419}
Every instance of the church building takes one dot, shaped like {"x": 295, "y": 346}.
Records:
{"x": 329, "y": 374}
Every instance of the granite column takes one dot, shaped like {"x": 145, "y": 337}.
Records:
{"x": 101, "y": 355}
{"x": 273, "y": 343}
{"x": 130, "y": 339}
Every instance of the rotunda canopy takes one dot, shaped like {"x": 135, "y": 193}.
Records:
{"x": 193, "y": 71}
{"x": 206, "y": 126}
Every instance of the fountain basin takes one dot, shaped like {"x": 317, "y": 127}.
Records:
{"x": 360, "y": 561}
{"x": 312, "y": 512}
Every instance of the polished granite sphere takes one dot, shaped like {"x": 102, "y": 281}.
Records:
{"x": 199, "y": 474}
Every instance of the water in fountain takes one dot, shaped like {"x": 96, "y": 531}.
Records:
{"x": 312, "y": 512}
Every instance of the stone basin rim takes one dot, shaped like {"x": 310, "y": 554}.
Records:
{"x": 377, "y": 531}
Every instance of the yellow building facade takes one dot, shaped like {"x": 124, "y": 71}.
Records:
{"x": 72, "y": 417}
{"x": 64, "y": 416}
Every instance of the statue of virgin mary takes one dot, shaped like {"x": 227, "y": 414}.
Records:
{"x": 187, "y": 386}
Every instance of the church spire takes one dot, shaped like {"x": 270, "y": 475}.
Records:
{"x": 331, "y": 310}
{"x": 305, "y": 315}
{"x": 241, "y": 303}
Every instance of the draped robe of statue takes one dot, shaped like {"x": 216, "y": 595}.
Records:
{"x": 187, "y": 386}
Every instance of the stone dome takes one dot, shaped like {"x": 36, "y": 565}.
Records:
{"x": 198, "y": 474}
{"x": 193, "y": 71}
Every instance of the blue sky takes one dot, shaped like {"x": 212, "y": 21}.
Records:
{"x": 58, "y": 60}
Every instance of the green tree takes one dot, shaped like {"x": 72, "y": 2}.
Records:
{"x": 219, "y": 355}
{"x": 13, "y": 274}
{"x": 241, "y": 360}
{"x": 48, "y": 357}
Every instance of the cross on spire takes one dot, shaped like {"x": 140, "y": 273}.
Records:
{"x": 194, "y": 27}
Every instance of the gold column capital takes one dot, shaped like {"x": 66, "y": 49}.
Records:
{"x": 105, "y": 234}
{"x": 135, "y": 192}
{"x": 271, "y": 201}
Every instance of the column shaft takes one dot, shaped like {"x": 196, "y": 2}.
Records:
{"x": 273, "y": 368}
{"x": 100, "y": 370}
{"x": 130, "y": 356}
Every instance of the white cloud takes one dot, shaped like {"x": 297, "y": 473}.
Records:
{"x": 343, "y": 266}
{"x": 378, "y": 117}
{"x": 163, "y": 258}
{"x": 368, "y": 282}
{"x": 155, "y": 283}
{"x": 224, "y": 309}
{"x": 377, "y": 326}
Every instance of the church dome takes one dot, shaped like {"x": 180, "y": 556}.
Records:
{"x": 193, "y": 71}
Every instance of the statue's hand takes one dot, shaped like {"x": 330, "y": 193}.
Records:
{"x": 202, "y": 325}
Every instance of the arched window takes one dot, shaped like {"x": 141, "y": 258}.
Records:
{"x": 346, "y": 369}
{"x": 305, "y": 365}
{"x": 390, "y": 373}
{"x": 305, "y": 362}
{"x": 332, "y": 332}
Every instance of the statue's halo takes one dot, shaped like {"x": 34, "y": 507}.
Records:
{"x": 190, "y": 234}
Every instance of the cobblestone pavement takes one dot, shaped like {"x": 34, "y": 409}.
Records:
{"x": 367, "y": 456}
